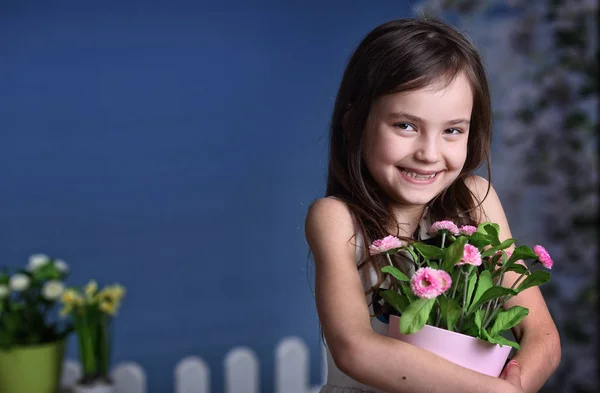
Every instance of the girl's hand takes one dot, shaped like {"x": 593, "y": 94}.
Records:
{"x": 512, "y": 374}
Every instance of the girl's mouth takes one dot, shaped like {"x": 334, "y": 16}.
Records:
{"x": 417, "y": 176}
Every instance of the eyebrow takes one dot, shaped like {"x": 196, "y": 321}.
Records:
{"x": 416, "y": 119}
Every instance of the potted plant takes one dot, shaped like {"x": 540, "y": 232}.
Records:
{"x": 452, "y": 304}
{"x": 32, "y": 336}
{"x": 92, "y": 311}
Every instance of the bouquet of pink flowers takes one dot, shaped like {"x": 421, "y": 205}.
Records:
{"x": 458, "y": 285}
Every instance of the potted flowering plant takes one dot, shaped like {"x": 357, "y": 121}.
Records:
{"x": 92, "y": 311}
{"x": 456, "y": 291}
{"x": 32, "y": 337}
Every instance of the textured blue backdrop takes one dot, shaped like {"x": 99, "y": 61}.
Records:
{"x": 174, "y": 147}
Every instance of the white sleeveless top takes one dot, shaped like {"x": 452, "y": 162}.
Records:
{"x": 337, "y": 381}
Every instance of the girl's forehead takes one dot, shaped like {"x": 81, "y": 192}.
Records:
{"x": 455, "y": 95}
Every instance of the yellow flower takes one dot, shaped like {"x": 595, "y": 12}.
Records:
{"x": 90, "y": 290}
{"x": 110, "y": 298}
{"x": 113, "y": 293}
{"x": 108, "y": 307}
{"x": 72, "y": 298}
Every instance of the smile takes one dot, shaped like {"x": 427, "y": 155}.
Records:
{"x": 416, "y": 176}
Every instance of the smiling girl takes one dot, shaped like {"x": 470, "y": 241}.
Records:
{"x": 411, "y": 123}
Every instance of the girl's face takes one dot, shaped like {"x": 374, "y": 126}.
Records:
{"x": 416, "y": 142}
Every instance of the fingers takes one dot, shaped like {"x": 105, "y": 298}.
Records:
{"x": 512, "y": 373}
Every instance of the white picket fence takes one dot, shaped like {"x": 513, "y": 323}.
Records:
{"x": 192, "y": 374}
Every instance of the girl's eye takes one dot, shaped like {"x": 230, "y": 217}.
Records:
{"x": 453, "y": 131}
{"x": 405, "y": 126}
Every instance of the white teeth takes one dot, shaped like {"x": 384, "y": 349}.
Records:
{"x": 419, "y": 177}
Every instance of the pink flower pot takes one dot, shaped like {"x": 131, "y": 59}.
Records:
{"x": 467, "y": 351}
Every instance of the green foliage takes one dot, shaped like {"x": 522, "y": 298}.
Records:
{"x": 472, "y": 303}
{"x": 28, "y": 300}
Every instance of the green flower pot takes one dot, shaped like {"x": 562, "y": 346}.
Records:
{"x": 32, "y": 369}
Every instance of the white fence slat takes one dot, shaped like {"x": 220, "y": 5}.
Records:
{"x": 291, "y": 366}
{"x": 241, "y": 374}
{"x": 192, "y": 375}
{"x": 71, "y": 372}
{"x": 241, "y": 371}
{"x": 129, "y": 378}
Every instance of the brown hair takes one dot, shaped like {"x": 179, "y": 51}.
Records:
{"x": 403, "y": 55}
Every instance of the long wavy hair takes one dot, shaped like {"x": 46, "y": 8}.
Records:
{"x": 398, "y": 56}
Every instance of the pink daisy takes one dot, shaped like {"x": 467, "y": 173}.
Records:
{"x": 384, "y": 245}
{"x": 543, "y": 256}
{"x": 446, "y": 280}
{"x": 471, "y": 256}
{"x": 427, "y": 283}
{"x": 439, "y": 226}
{"x": 467, "y": 230}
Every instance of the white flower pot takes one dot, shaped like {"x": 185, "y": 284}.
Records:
{"x": 98, "y": 387}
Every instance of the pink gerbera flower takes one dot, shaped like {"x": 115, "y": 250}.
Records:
{"x": 543, "y": 256}
{"x": 467, "y": 230}
{"x": 439, "y": 226}
{"x": 471, "y": 256}
{"x": 446, "y": 280}
{"x": 427, "y": 283}
{"x": 384, "y": 245}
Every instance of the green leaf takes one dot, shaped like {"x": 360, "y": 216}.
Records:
{"x": 395, "y": 272}
{"x": 469, "y": 328}
{"x": 472, "y": 280}
{"x": 394, "y": 299}
{"x": 450, "y": 310}
{"x": 428, "y": 251}
{"x": 493, "y": 230}
{"x": 538, "y": 277}
{"x": 491, "y": 251}
{"x": 483, "y": 284}
{"x": 491, "y": 294}
{"x": 47, "y": 272}
{"x": 507, "y": 319}
{"x": 433, "y": 265}
{"x": 455, "y": 280}
{"x": 408, "y": 292}
{"x": 415, "y": 316}
{"x": 517, "y": 268}
{"x": 500, "y": 340}
{"x": 454, "y": 253}
{"x": 480, "y": 240}
{"x": 522, "y": 252}
{"x": 479, "y": 320}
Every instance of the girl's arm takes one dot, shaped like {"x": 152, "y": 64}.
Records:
{"x": 385, "y": 363}
{"x": 537, "y": 334}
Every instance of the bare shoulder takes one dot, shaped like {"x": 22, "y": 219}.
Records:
{"x": 326, "y": 215}
{"x": 485, "y": 194}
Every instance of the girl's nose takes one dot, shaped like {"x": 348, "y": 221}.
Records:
{"x": 428, "y": 150}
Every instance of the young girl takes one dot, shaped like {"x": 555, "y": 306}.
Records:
{"x": 411, "y": 123}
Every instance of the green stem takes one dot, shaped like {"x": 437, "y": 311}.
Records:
{"x": 462, "y": 312}
{"x": 414, "y": 256}
{"x": 389, "y": 259}
{"x": 85, "y": 335}
{"x": 487, "y": 321}
{"x": 103, "y": 345}
{"x": 487, "y": 311}
{"x": 439, "y": 314}
{"x": 443, "y": 239}
{"x": 455, "y": 286}
{"x": 520, "y": 277}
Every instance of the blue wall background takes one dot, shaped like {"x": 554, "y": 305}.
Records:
{"x": 174, "y": 147}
